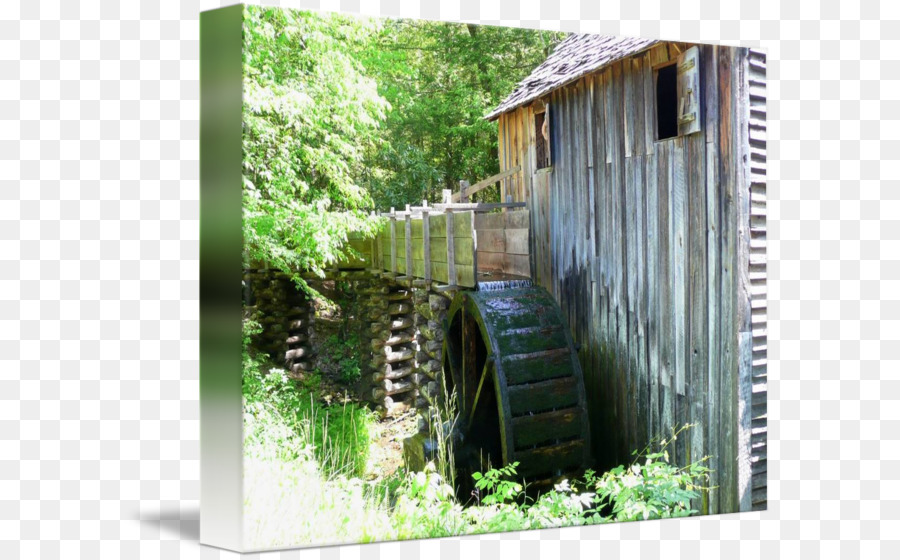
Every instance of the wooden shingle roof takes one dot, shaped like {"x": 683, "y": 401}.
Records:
{"x": 574, "y": 57}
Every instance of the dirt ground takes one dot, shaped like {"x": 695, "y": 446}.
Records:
{"x": 386, "y": 455}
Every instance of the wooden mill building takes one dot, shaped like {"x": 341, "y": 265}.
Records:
{"x": 642, "y": 164}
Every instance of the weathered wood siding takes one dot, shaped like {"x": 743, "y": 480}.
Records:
{"x": 502, "y": 241}
{"x": 649, "y": 249}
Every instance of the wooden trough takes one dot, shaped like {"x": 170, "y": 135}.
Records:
{"x": 450, "y": 245}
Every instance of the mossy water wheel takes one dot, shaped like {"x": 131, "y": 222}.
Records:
{"x": 509, "y": 357}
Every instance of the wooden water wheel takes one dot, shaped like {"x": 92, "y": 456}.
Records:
{"x": 520, "y": 396}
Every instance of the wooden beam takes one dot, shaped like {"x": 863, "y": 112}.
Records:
{"x": 463, "y": 188}
{"x": 444, "y": 288}
{"x": 481, "y": 185}
{"x": 478, "y": 206}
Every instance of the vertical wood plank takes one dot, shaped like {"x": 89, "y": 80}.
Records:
{"x": 574, "y": 245}
{"x": 426, "y": 239}
{"x": 728, "y": 494}
{"x": 631, "y": 297}
{"x": 528, "y": 174}
{"x": 653, "y": 277}
{"x": 649, "y": 99}
{"x": 699, "y": 340}
{"x": 591, "y": 117}
{"x": 519, "y": 194}
{"x": 620, "y": 210}
{"x": 636, "y": 100}
{"x": 679, "y": 241}
{"x": 565, "y": 243}
{"x": 665, "y": 173}
{"x": 451, "y": 251}
{"x": 627, "y": 106}
{"x": 553, "y": 185}
{"x": 408, "y": 235}
{"x": 503, "y": 126}
{"x": 393, "y": 243}
{"x": 608, "y": 110}
{"x": 683, "y": 411}
{"x": 576, "y": 197}
{"x": 641, "y": 379}
{"x": 709, "y": 76}
{"x": 602, "y": 272}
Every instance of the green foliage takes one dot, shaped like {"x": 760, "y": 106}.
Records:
{"x": 497, "y": 490}
{"x": 343, "y": 115}
{"x": 340, "y": 356}
{"x": 285, "y": 419}
{"x": 651, "y": 487}
{"x": 425, "y": 507}
{"x": 440, "y": 80}
{"x": 310, "y": 113}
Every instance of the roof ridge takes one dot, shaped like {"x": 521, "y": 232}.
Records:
{"x": 576, "y": 55}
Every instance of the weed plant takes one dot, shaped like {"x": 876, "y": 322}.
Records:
{"x": 305, "y": 465}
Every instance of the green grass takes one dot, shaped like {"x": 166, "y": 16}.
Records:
{"x": 305, "y": 463}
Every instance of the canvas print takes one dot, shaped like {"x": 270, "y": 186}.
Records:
{"x": 492, "y": 279}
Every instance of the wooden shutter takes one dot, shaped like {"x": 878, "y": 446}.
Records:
{"x": 551, "y": 149}
{"x": 689, "y": 91}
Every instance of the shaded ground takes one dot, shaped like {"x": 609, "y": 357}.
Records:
{"x": 386, "y": 455}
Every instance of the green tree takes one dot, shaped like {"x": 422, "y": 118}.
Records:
{"x": 343, "y": 115}
{"x": 310, "y": 114}
{"x": 440, "y": 80}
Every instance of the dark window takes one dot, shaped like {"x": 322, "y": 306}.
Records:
{"x": 666, "y": 102}
{"x": 542, "y": 140}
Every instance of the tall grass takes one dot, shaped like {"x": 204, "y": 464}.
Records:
{"x": 304, "y": 465}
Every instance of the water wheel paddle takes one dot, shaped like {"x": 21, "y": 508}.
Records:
{"x": 520, "y": 393}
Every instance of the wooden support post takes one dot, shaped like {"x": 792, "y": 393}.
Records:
{"x": 373, "y": 254}
{"x": 426, "y": 234}
{"x": 463, "y": 187}
{"x": 409, "y": 264}
{"x": 451, "y": 256}
{"x": 393, "y": 242}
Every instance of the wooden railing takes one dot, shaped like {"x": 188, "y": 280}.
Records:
{"x": 465, "y": 190}
{"x": 449, "y": 244}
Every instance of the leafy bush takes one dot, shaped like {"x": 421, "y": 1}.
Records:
{"x": 304, "y": 464}
{"x": 497, "y": 490}
{"x": 651, "y": 487}
{"x": 310, "y": 114}
{"x": 285, "y": 418}
{"x": 341, "y": 357}
{"x": 426, "y": 507}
